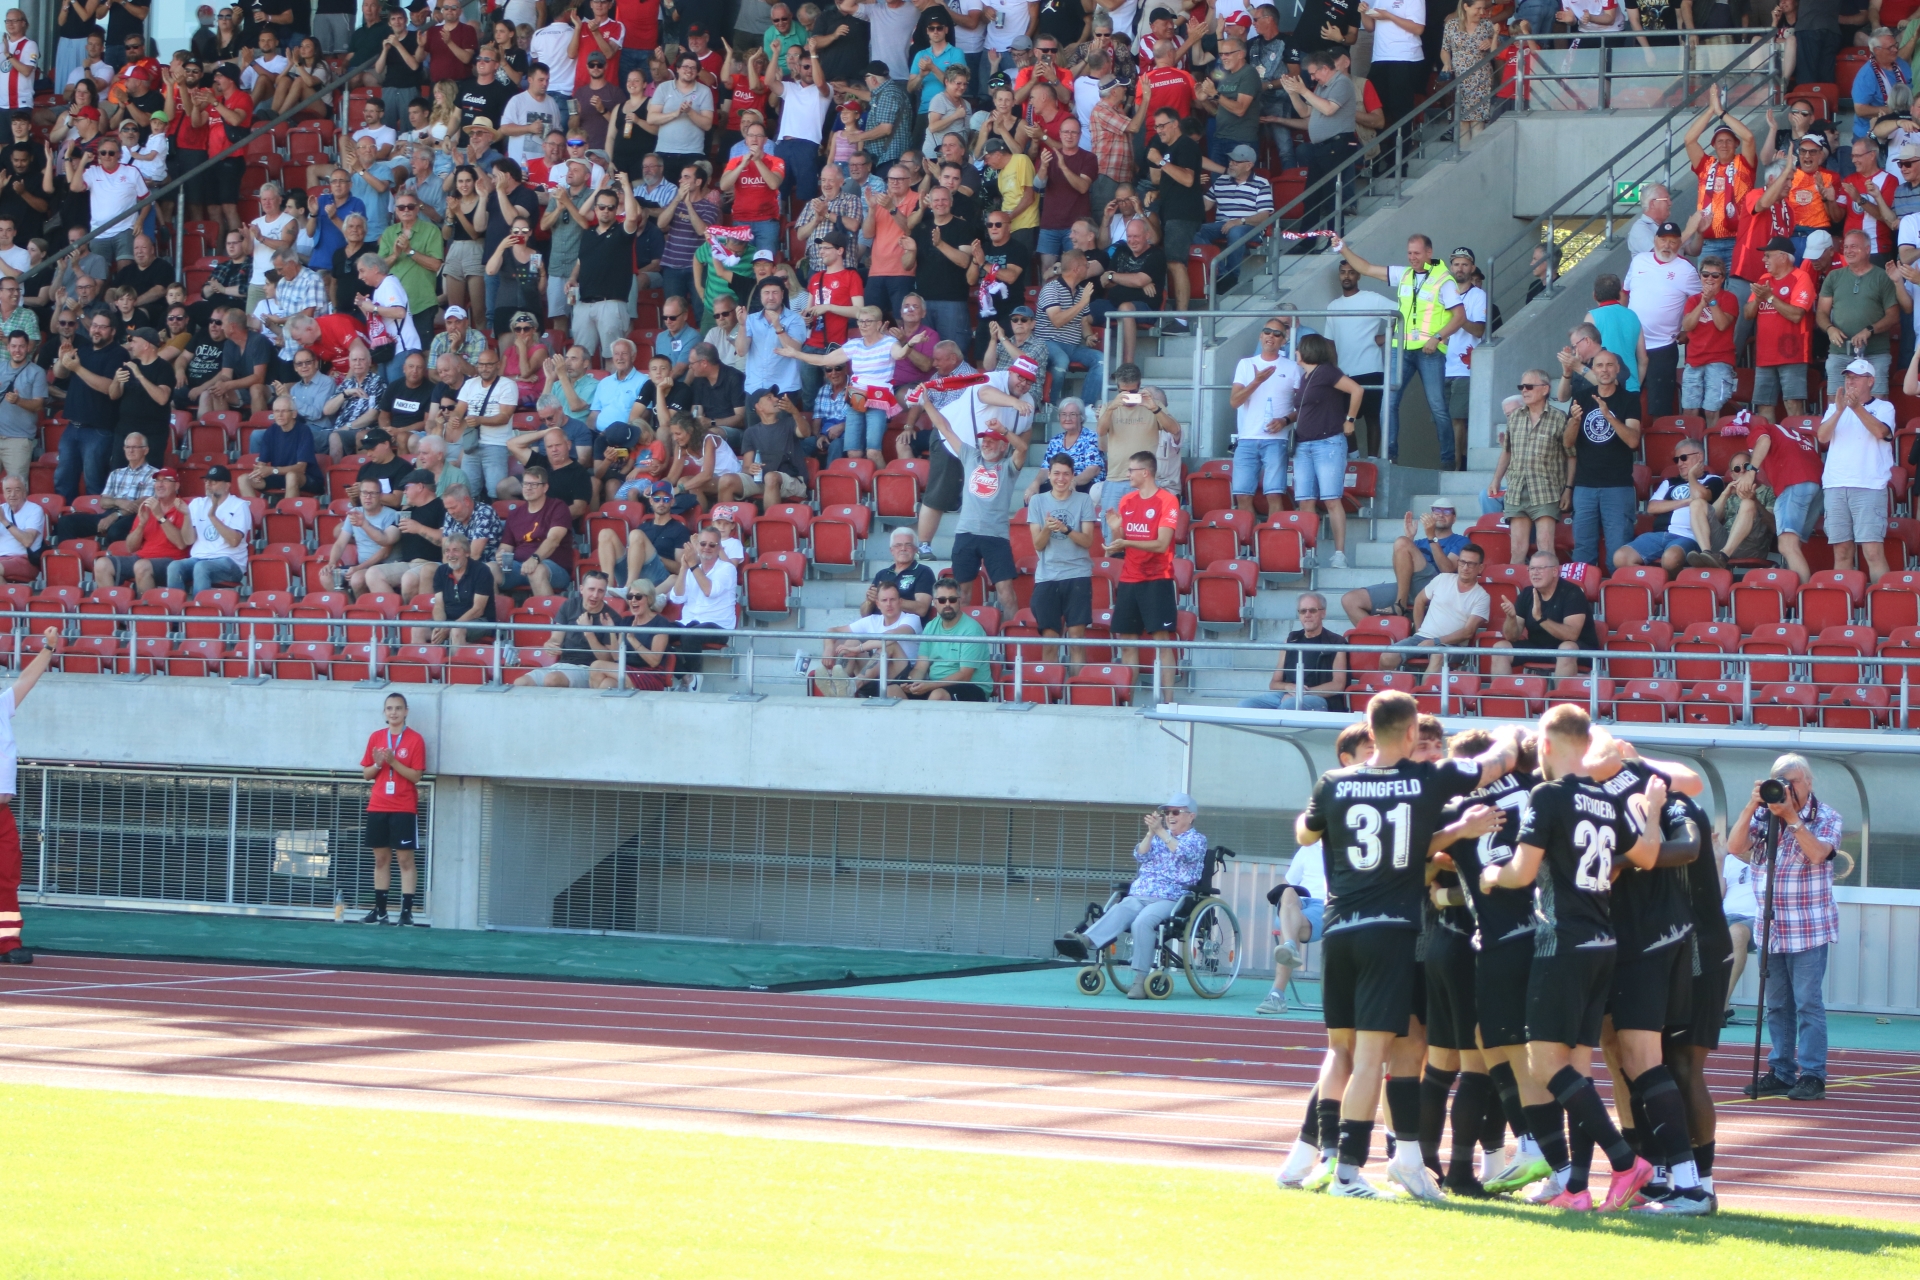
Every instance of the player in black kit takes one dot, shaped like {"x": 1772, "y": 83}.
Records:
{"x": 1713, "y": 972}
{"x": 1572, "y": 834}
{"x": 1376, "y": 821}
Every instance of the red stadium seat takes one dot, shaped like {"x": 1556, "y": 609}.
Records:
{"x": 1583, "y": 691}
{"x": 1208, "y": 492}
{"x": 1647, "y": 702}
{"x": 769, "y": 587}
{"x": 472, "y": 664}
{"x": 1646, "y": 638}
{"x": 1852, "y": 646}
{"x": 1224, "y": 535}
{"x": 1698, "y": 595}
{"x": 896, "y": 490}
{"x": 1380, "y": 629}
{"x": 1513, "y": 697}
{"x": 1711, "y": 702}
{"x": 1223, "y": 594}
{"x": 1894, "y": 602}
{"x": 1763, "y": 597}
{"x": 1830, "y": 598}
{"x": 304, "y": 660}
{"x": 1105, "y": 685}
{"x": 1858, "y": 706}
{"x": 1367, "y": 683}
{"x": 1787, "y": 639}
{"x": 1707, "y": 638}
{"x": 1630, "y": 594}
{"x": 1280, "y": 549}
{"x": 1041, "y": 682}
{"x": 250, "y": 658}
{"x": 1783, "y": 705}
{"x": 1462, "y": 694}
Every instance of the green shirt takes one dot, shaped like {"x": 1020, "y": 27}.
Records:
{"x": 946, "y": 657}
{"x": 1859, "y": 302}
{"x": 713, "y": 285}
{"x": 422, "y": 285}
{"x": 1246, "y": 80}
{"x": 450, "y": 476}
{"x": 777, "y": 45}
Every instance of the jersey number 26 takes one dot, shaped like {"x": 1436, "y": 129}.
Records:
{"x": 1595, "y": 846}
{"x": 1365, "y": 821}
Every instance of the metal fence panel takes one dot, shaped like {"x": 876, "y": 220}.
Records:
{"x": 210, "y": 838}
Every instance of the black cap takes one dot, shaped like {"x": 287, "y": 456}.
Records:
{"x": 837, "y": 237}
{"x": 620, "y": 435}
{"x": 877, "y": 68}
{"x": 1779, "y": 244}
{"x": 146, "y": 334}
{"x": 419, "y": 475}
{"x": 995, "y": 144}
{"x": 373, "y": 436}
{"x": 219, "y": 473}
{"x": 1668, "y": 228}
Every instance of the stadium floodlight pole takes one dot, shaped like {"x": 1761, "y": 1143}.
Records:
{"x": 1766, "y": 933}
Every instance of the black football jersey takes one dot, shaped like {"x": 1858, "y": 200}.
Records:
{"x": 1650, "y": 908}
{"x": 1583, "y": 831}
{"x": 1504, "y": 914}
{"x": 1705, "y": 898}
{"x": 1375, "y": 826}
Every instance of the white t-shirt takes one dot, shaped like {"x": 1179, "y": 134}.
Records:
{"x": 484, "y": 401}
{"x": 1679, "y": 520}
{"x": 1272, "y": 399}
{"x": 276, "y": 229}
{"x": 17, "y": 258}
{"x": 1585, "y": 10}
{"x": 272, "y": 66}
{"x": 1459, "y": 342}
{"x": 1086, "y": 96}
{"x": 9, "y": 751}
{"x": 715, "y": 607}
{"x": 99, "y": 72}
{"x": 1657, "y": 293}
{"x": 151, "y": 159}
{"x": 975, "y": 40}
{"x": 31, "y": 518}
{"x": 966, "y": 414}
{"x": 1392, "y": 43}
{"x": 549, "y": 45}
{"x": 803, "y": 111}
{"x": 1740, "y": 900}
{"x": 1449, "y": 611}
{"x": 1308, "y": 870}
{"x": 1007, "y": 21}
{"x": 873, "y": 625}
{"x": 16, "y": 82}
{"x": 235, "y": 513}
{"x": 111, "y": 195}
{"x": 892, "y": 30}
{"x": 522, "y": 108}
{"x": 1364, "y": 317}
{"x": 381, "y": 135}
{"x": 1855, "y": 459}
{"x": 391, "y": 293}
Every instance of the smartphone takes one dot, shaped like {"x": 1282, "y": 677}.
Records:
{"x": 1130, "y": 397}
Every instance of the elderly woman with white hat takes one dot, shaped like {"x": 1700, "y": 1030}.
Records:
{"x": 1172, "y": 858}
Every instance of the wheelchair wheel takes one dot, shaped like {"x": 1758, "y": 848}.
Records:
{"x": 1090, "y": 980}
{"x": 1159, "y": 984}
{"x": 1210, "y": 949}
{"x": 1118, "y": 958}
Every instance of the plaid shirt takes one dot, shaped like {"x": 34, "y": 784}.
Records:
{"x": 829, "y": 407}
{"x": 471, "y": 347}
{"x": 362, "y": 398}
{"x": 1112, "y": 143}
{"x": 486, "y": 523}
{"x": 1169, "y": 872}
{"x": 306, "y": 291}
{"x": 1536, "y": 459}
{"x": 659, "y": 195}
{"x": 130, "y": 484}
{"x": 22, "y": 321}
{"x": 848, "y": 204}
{"x": 1804, "y": 913}
{"x": 889, "y": 106}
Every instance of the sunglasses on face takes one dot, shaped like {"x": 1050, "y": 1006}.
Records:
{"x": 1738, "y": 470}
{"x": 1712, "y": 275}
{"x": 1529, "y": 386}
{"x": 1685, "y": 457}
{"x": 1273, "y": 333}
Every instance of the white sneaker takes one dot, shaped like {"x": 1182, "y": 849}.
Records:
{"x": 1288, "y": 955}
{"x": 693, "y": 683}
{"x": 1413, "y": 1177}
{"x": 1357, "y": 1189}
{"x": 1492, "y": 1165}
{"x": 1274, "y": 1005}
{"x": 1293, "y": 1174}
{"x": 1338, "y": 560}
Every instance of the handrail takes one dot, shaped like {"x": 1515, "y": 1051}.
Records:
{"x": 246, "y": 629}
{"x": 177, "y": 186}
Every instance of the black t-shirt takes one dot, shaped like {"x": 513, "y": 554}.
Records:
{"x": 401, "y": 76}
{"x": 721, "y": 398}
{"x": 1582, "y": 830}
{"x": 1315, "y": 14}
{"x": 1504, "y": 914}
{"x": 1010, "y": 254}
{"x": 347, "y": 284}
{"x": 667, "y": 539}
{"x": 444, "y": 395}
{"x": 1064, "y": 20}
{"x": 458, "y": 594}
{"x": 569, "y": 484}
{"x": 606, "y": 264}
{"x": 1178, "y": 202}
{"x": 405, "y": 406}
{"x": 1376, "y": 825}
{"x": 845, "y": 58}
{"x": 1122, "y": 260}
{"x": 387, "y": 473}
{"x": 243, "y": 360}
{"x": 1650, "y": 911}
{"x": 85, "y": 406}
{"x": 1317, "y": 664}
{"x": 915, "y": 580}
{"x": 159, "y": 274}
{"x": 138, "y": 412}
{"x": 203, "y": 361}
{"x": 774, "y": 445}
{"x": 1704, "y": 895}
{"x": 573, "y": 644}
{"x": 935, "y": 277}
{"x": 1601, "y": 459}
{"x": 415, "y": 546}
{"x": 523, "y": 199}
{"x": 1567, "y": 601}
{"x": 487, "y": 100}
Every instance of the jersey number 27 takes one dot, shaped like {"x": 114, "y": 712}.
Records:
{"x": 1365, "y": 821}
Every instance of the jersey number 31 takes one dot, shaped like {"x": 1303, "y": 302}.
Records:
{"x": 1365, "y": 822}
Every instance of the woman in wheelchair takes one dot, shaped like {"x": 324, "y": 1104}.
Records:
{"x": 1172, "y": 858}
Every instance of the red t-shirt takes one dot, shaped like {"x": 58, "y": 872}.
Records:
{"x": 1370, "y": 97}
{"x": 1776, "y": 340}
{"x": 1756, "y": 228}
{"x": 616, "y": 34}
{"x": 753, "y": 199}
{"x": 641, "y": 20}
{"x": 744, "y": 99}
{"x": 338, "y": 332}
{"x": 239, "y": 100}
{"x": 154, "y": 544}
{"x": 1167, "y": 87}
{"x": 1708, "y": 344}
{"x": 1793, "y": 457}
{"x": 835, "y": 289}
{"x": 1141, "y": 519}
{"x": 186, "y": 135}
{"x": 441, "y": 62}
{"x": 1879, "y": 234}
{"x": 391, "y": 792}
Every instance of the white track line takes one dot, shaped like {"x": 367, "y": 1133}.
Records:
{"x": 175, "y": 982}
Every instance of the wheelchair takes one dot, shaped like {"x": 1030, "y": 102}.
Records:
{"x": 1201, "y": 939}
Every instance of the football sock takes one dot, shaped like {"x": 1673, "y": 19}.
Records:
{"x": 1469, "y": 1106}
{"x": 1310, "y": 1124}
{"x": 1584, "y": 1108}
{"x": 1403, "y": 1109}
{"x": 1549, "y": 1130}
{"x": 1329, "y": 1127}
{"x": 1580, "y": 1148}
{"x": 380, "y": 901}
{"x": 1667, "y": 1120}
{"x": 1435, "y": 1084}
{"x": 1508, "y": 1088}
{"x": 1703, "y": 1159}
{"x": 406, "y": 903}
{"x": 1356, "y": 1137}
{"x": 1637, "y": 1136}
{"x": 1493, "y": 1118}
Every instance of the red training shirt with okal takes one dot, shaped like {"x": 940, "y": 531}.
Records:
{"x": 391, "y": 792}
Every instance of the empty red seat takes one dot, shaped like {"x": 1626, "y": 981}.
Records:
{"x": 1280, "y": 548}
{"x": 1711, "y": 638}
{"x": 1698, "y": 595}
{"x": 1894, "y": 602}
{"x": 1630, "y": 594}
{"x": 846, "y": 481}
{"x": 1105, "y": 685}
{"x": 1830, "y": 598}
{"x": 1765, "y": 596}
{"x": 1208, "y": 492}
{"x": 1786, "y": 639}
{"x": 1647, "y": 701}
{"x": 305, "y": 660}
{"x": 1783, "y": 705}
{"x": 1454, "y": 693}
{"x": 1855, "y": 706}
{"x": 1513, "y": 697}
{"x": 250, "y": 658}
{"x": 1838, "y": 655}
{"x": 1367, "y": 683}
{"x": 1223, "y": 593}
{"x": 1648, "y": 637}
{"x": 1711, "y": 702}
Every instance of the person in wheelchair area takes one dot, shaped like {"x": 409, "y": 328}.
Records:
{"x": 1172, "y": 858}
{"x": 1299, "y": 899}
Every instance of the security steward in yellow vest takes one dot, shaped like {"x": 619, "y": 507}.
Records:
{"x": 1430, "y": 310}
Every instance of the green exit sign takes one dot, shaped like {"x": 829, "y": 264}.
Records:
{"x": 1627, "y": 192}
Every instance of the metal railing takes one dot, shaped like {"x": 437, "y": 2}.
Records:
{"x": 1203, "y": 328}
{"x": 1582, "y": 71}
{"x": 1017, "y": 653}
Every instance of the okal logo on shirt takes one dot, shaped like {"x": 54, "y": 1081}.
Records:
{"x": 985, "y": 482}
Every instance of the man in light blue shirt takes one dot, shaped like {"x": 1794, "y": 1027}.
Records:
{"x": 613, "y": 395}
{"x": 766, "y": 367}
{"x": 676, "y": 340}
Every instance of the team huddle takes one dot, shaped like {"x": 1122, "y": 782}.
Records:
{"x": 1497, "y": 906}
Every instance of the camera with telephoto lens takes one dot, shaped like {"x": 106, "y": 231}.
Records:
{"x": 1773, "y": 791}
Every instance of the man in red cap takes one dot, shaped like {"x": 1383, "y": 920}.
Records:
{"x": 990, "y": 465}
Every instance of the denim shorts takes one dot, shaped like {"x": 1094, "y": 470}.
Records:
{"x": 865, "y": 430}
{"x": 1793, "y": 508}
{"x": 515, "y": 576}
{"x": 1705, "y": 386}
{"x": 1856, "y": 515}
{"x": 1056, "y": 242}
{"x": 1653, "y": 545}
{"x": 1266, "y": 455}
{"x": 1773, "y": 383}
{"x": 1838, "y": 361}
{"x": 1320, "y": 469}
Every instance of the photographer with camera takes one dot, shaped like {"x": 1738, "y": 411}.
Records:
{"x": 1799, "y": 922}
{"x": 1172, "y": 858}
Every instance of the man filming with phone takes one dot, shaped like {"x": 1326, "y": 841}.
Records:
{"x": 1804, "y": 926}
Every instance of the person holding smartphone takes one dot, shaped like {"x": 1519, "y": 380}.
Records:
{"x": 1172, "y": 857}
{"x": 522, "y": 275}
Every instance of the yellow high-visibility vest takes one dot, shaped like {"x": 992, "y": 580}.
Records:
{"x": 1422, "y": 314}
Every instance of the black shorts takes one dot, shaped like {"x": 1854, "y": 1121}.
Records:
{"x": 1143, "y": 608}
{"x": 1367, "y": 978}
{"x": 1062, "y": 603}
{"x": 1500, "y": 992}
{"x": 224, "y": 186}
{"x": 971, "y": 550}
{"x": 942, "y": 493}
{"x": 1567, "y": 995}
{"x": 392, "y": 830}
{"x": 1420, "y": 993}
{"x": 184, "y": 162}
{"x": 965, "y": 691}
{"x": 1451, "y": 1011}
{"x": 1710, "y": 995}
{"x": 1653, "y": 992}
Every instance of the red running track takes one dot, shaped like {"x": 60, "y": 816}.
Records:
{"x": 1110, "y": 1084}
